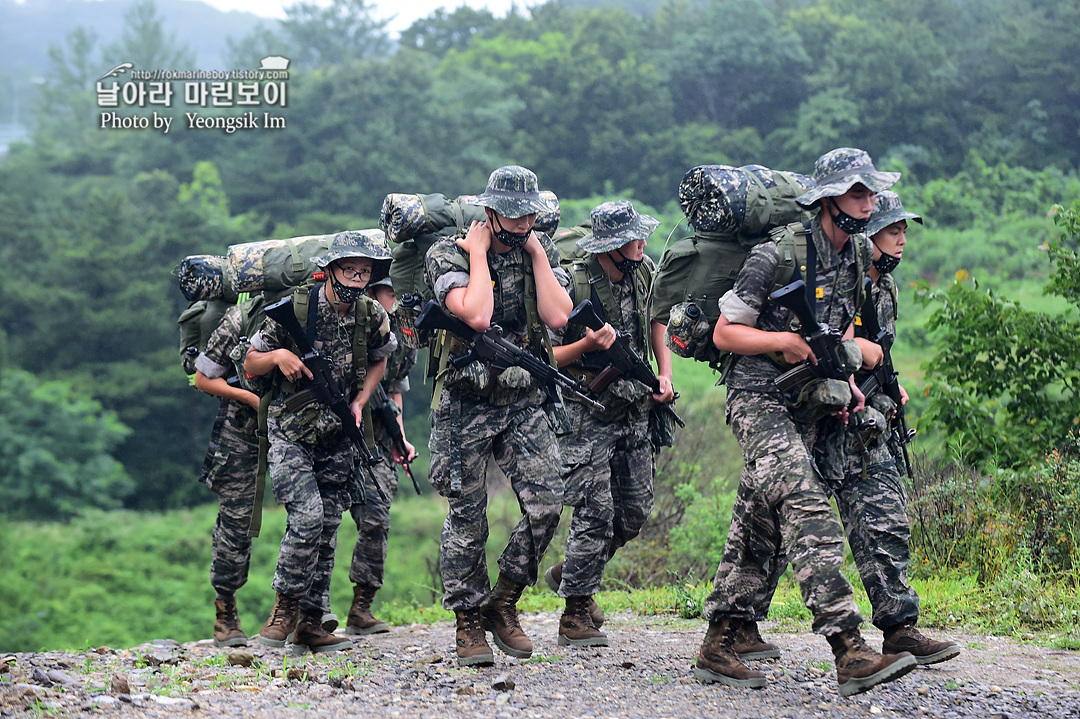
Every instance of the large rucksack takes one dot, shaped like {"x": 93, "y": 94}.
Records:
{"x": 415, "y": 223}
{"x": 731, "y": 210}
{"x": 272, "y": 265}
{"x": 197, "y": 322}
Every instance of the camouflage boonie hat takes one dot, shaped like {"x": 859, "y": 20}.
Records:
{"x": 513, "y": 192}
{"x": 713, "y": 197}
{"x": 838, "y": 171}
{"x": 887, "y": 210}
{"x": 614, "y": 224}
{"x": 370, "y": 244}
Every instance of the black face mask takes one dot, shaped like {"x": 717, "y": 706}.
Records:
{"x": 847, "y": 223}
{"x": 886, "y": 263}
{"x": 625, "y": 265}
{"x": 346, "y": 294}
{"x": 508, "y": 238}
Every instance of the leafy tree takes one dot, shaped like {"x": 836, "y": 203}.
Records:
{"x": 55, "y": 447}
{"x": 144, "y": 43}
{"x": 343, "y": 31}
{"x": 1005, "y": 382}
{"x": 731, "y": 63}
{"x": 441, "y": 32}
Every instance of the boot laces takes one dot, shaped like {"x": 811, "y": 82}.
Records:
{"x": 229, "y": 613}
{"x": 282, "y": 610}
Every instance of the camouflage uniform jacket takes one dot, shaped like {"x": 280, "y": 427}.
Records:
{"x": 240, "y": 421}
{"x": 624, "y": 396}
{"x": 334, "y": 340}
{"x": 747, "y": 303}
{"x": 446, "y": 267}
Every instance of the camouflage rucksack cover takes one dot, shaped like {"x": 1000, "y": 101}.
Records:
{"x": 731, "y": 210}
{"x": 201, "y": 278}
{"x": 416, "y": 222}
{"x": 272, "y": 265}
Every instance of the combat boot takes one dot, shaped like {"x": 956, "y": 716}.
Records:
{"x": 576, "y": 628}
{"x": 472, "y": 646}
{"x": 227, "y": 631}
{"x": 360, "y": 619}
{"x": 500, "y": 617}
{"x": 858, "y": 667}
{"x": 553, "y": 578}
{"x": 906, "y": 638}
{"x": 310, "y": 633}
{"x": 718, "y": 662}
{"x": 279, "y": 627}
{"x": 749, "y": 644}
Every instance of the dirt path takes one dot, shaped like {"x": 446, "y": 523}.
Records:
{"x": 410, "y": 672}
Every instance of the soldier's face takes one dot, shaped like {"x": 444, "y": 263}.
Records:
{"x": 385, "y": 296}
{"x": 891, "y": 240}
{"x": 633, "y": 250}
{"x": 858, "y": 202}
{"x": 353, "y": 271}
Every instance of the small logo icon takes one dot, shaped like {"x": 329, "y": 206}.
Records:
{"x": 274, "y": 62}
{"x": 120, "y": 70}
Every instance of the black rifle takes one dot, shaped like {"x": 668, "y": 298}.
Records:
{"x": 823, "y": 340}
{"x": 883, "y": 378}
{"x": 621, "y": 359}
{"x": 324, "y": 386}
{"x": 384, "y": 415}
{"x": 491, "y": 348}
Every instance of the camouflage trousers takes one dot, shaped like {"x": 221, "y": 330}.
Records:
{"x": 373, "y": 525}
{"x": 316, "y": 485}
{"x": 609, "y": 483}
{"x": 873, "y": 508}
{"x": 465, "y": 434}
{"x": 781, "y": 509}
{"x": 229, "y": 472}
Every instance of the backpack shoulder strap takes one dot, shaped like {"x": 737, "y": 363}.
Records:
{"x": 791, "y": 241}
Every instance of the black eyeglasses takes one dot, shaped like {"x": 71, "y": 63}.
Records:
{"x": 350, "y": 274}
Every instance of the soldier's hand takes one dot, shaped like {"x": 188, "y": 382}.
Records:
{"x": 600, "y": 339}
{"x": 795, "y": 349}
{"x": 478, "y": 239}
{"x": 667, "y": 392}
{"x": 872, "y": 354}
{"x": 291, "y": 366}
{"x": 410, "y": 453}
{"x": 903, "y": 394}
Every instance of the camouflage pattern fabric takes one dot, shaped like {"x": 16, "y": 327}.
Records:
{"x": 373, "y": 518}
{"x": 512, "y": 191}
{"x": 231, "y": 461}
{"x": 747, "y": 302}
{"x": 781, "y": 508}
{"x": 713, "y": 197}
{"x": 768, "y": 176}
{"x": 200, "y": 277}
{"x": 465, "y": 434}
{"x": 838, "y": 170}
{"x": 887, "y": 210}
{"x": 608, "y": 457}
{"x": 467, "y": 430}
{"x": 271, "y": 264}
{"x": 609, "y": 483}
{"x": 312, "y": 467}
{"x": 614, "y": 224}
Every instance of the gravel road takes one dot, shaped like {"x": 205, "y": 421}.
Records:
{"x": 411, "y": 672}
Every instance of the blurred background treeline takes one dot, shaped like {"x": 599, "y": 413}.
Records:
{"x": 104, "y": 530}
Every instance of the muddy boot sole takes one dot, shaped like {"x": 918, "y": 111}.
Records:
{"x": 549, "y": 579}
{"x": 239, "y": 642}
{"x": 335, "y": 647}
{"x": 380, "y": 628}
{"x": 937, "y": 657}
{"x": 767, "y": 654}
{"x": 711, "y": 677}
{"x": 277, "y": 642}
{"x": 565, "y": 641}
{"x": 890, "y": 673}
{"x": 506, "y": 648}
{"x": 483, "y": 660}
{"x": 330, "y": 622}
